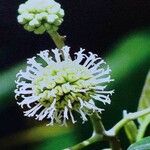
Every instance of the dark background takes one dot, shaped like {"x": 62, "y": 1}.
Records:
{"x": 98, "y": 26}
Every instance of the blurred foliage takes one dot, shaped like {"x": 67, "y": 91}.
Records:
{"x": 7, "y": 84}
{"x": 59, "y": 142}
{"x": 144, "y": 103}
{"x": 127, "y": 57}
{"x": 35, "y": 134}
{"x": 129, "y": 53}
{"x": 145, "y": 98}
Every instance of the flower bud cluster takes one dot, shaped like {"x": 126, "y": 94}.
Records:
{"x": 40, "y": 16}
{"x": 63, "y": 82}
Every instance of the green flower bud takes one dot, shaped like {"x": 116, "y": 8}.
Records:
{"x": 47, "y": 15}
{"x": 40, "y": 30}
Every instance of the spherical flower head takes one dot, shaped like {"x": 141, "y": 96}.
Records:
{"x": 53, "y": 86}
{"x": 40, "y": 16}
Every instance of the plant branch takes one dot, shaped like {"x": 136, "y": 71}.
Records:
{"x": 131, "y": 116}
{"x": 58, "y": 39}
{"x": 98, "y": 127}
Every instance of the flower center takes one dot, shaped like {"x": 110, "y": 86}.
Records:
{"x": 67, "y": 82}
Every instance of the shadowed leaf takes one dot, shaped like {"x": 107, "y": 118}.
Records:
{"x": 143, "y": 144}
{"x": 144, "y": 103}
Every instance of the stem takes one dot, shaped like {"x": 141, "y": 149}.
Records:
{"x": 58, "y": 40}
{"x": 98, "y": 133}
{"x": 85, "y": 143}
{"x": 98, "y": 127}
{"x": 131, "y": 116}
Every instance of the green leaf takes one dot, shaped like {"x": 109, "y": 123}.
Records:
{"x": 144, "y": 101}
{"x": 143, "y": 144}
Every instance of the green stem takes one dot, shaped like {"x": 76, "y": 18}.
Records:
{"x": 98, "y": 133}
{"x": 58, "y": 40}
{"x": 98, "y": 127}
{"x": 131, "y": 116}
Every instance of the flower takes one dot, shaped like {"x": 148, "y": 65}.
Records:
{"x": 52, "y": 87}
{"x": 40, "y": 15}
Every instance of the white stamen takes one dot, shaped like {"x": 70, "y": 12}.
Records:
{"x": 83, "y": 116}
{"x": 81, "y": 102}
{"x": 45, "y": 57}
{"x": 96, "y": 66}
{"x": 89, "y": 59}
{"x": 105, "y": 92}
{"x": 99, "y": 87}
{"x": 66, "y": 50}
{"x": 57, "y": 54}
{"x": 80, "y": 56}
{"x": 72, "y": 118}
{"x": 69, "y": 104}
{"x": 65, "y": 116}
{"x": 27, "y": 101}
{"x": 34, "y": 64}
{"x": 103, "y": 80}
{"x": 103, "y": 98}
{"x": 33, "y": 111}
{"x": 104, "y": 72}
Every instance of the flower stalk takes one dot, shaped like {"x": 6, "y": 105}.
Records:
{"x": 98, "y": 127}
{"x": 58, "y": 39}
